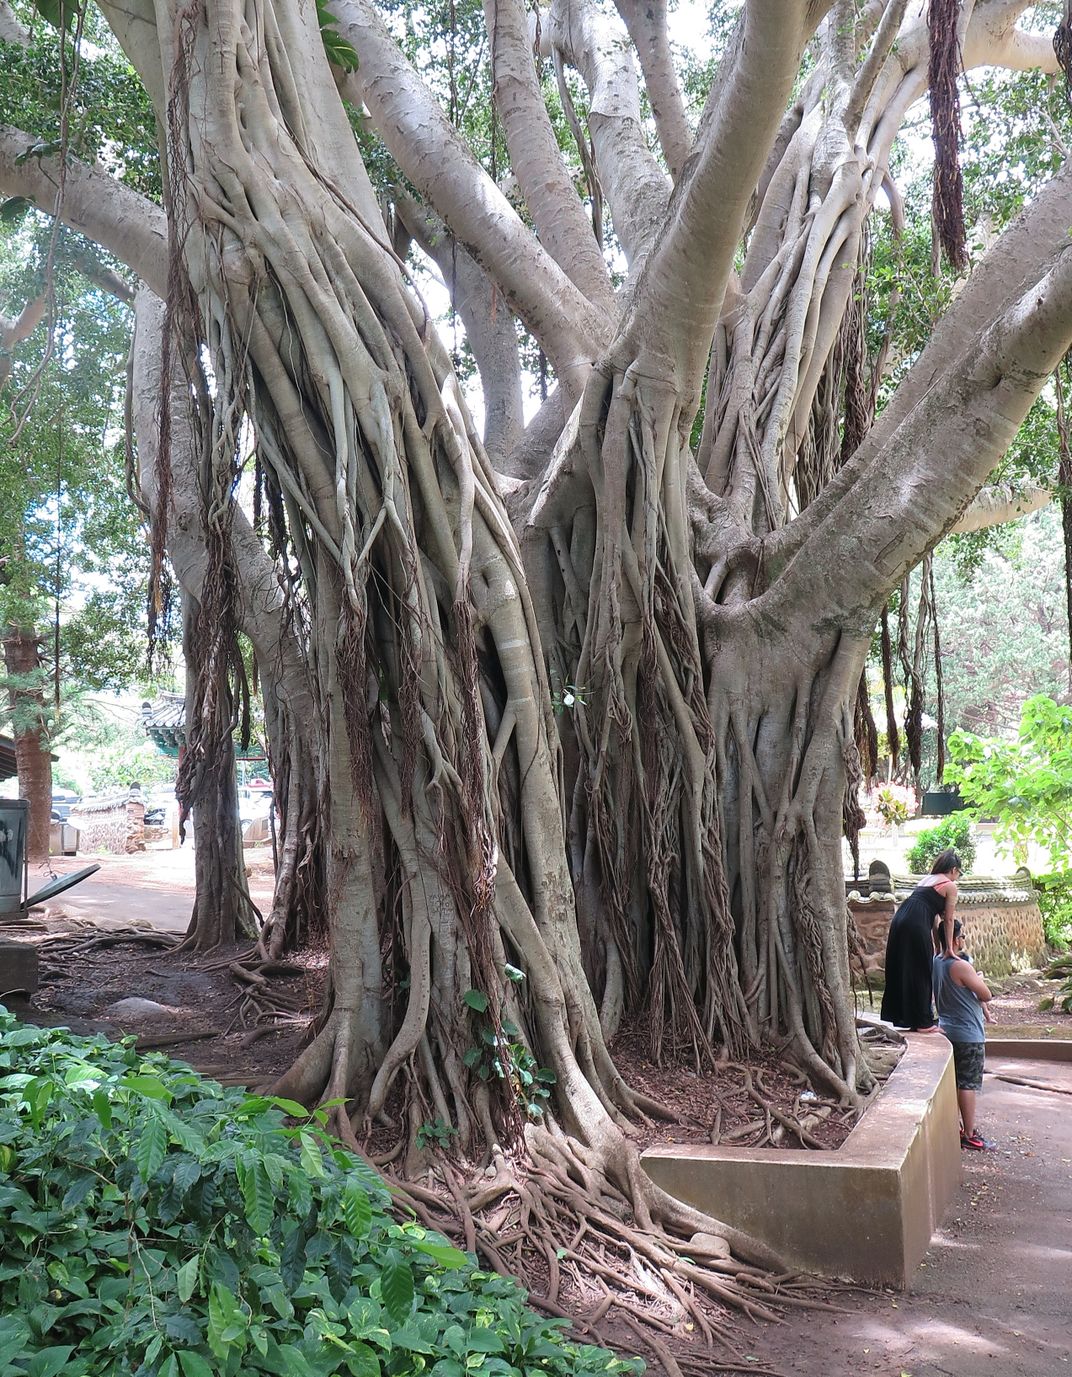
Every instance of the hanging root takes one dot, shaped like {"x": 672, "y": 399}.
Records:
{"x": 945, "y": 63}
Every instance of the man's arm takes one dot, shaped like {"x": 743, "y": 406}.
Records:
{"x": 964, "y": 973}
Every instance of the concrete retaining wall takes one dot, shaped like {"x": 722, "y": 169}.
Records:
{"x": 865, "y": 1211}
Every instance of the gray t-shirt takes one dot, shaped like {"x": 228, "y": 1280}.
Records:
{"x": 960, "y": 1015}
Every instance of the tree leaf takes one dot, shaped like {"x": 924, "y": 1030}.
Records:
{"x": 150, "y": 1147}
{"x": 13, "y": 209}
{"x": 150, "y": 1086}
{"x": 186, "y": 1278}
{"x": 476, "y": 999}
{"x": 193, "y": 1365}
{"x": 47, "y": 1362}
{"x": 356, "y": 1209}
{"x": 226, "y": 1321}
{"x": 311, "y": 1157}
{"x": 396, "y": 1288}
{"x": 363, "y": 1361}
{"x": 257, "y": 1195}
{"x": 443, "y": 1253}
{"x": 186, "y": 1174}
{"x": 59, "y": 13}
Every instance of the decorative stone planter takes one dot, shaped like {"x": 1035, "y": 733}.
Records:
{"x": 866, "y": 1210}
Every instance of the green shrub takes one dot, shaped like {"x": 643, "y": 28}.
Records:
{"x": 1055, "y": 902}
{"x": 954, "y": 831}
{"x": 155, "y": 1224}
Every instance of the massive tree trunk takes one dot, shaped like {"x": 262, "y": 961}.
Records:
{"x": 26, "y": 697}
{"x": 457, "y": 983}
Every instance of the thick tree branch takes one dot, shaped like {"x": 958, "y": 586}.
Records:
{"x": 15, "y": 329}
{"x": 489, "y": 326}
{"x": 535, "y": 158}
{"x": 997, "y": 506}
{"x": 922, "y": 478}
{"x": 635, "y": 186}
{"x": 646, "y": 22}
{"x": 12, "y": 30}
{"x": 684, "y": 280}
{"x": 1016, "y": 260}
{"x": 120, "y": 220}
{"x": 437, "y": 160}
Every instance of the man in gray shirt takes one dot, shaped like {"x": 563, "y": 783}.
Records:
{"x": 961, "y": 996}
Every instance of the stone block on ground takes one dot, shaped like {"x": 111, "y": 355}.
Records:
{"x": 134, "y": 1008}
{"x": 18, "y": 968}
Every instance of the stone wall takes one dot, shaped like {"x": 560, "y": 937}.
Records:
{"x": 1002, "y": 922}
{"x": 115, "y": 824}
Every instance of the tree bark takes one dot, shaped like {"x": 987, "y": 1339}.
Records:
{"x": 26, "y": 698}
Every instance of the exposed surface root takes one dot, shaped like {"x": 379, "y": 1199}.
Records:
{"x": 1031, "y": 1085}
{"x": 594, "y": 1244}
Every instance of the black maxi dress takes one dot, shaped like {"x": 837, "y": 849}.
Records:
{"x": 906, "y": 1001}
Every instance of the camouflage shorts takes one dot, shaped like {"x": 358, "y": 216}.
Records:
{"x": 968, "y": 1064}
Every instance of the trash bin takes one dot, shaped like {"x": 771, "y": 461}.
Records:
{"x": 14, "y": 815}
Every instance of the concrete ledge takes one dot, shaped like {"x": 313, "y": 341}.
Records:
{"x": 1033, "y": 1049}
{"x": 865, "y": 1211}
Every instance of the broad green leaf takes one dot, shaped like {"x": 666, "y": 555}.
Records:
{"x": 396, "y": 1287}
{"x": 476, "y": 999}
{"x": 193, "y": 1365}
{"x": 442, "y": 1253}
{"x": 149, "y": 1086}
{"x": 150, "y": 1148}
{"x": 289, "y": 1107}
{"x": 363, "y": 1361}
{"x": 186, "y": 1278}
{"x": 47, "y": 1362}
{"x": 226, "y": 1321}
{"x": 356, "y": 1209}
{"x": 257, "y": 1195}
{"x": 312, "y": 1158}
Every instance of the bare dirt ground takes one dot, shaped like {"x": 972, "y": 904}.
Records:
{"x": 155, "y": 886}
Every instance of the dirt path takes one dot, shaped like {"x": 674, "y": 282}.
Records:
{"x": 154, "y": 887}
{"x": 992, "y": 1295}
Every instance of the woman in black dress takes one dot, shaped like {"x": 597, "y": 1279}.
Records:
{"x": 911, "y": 944}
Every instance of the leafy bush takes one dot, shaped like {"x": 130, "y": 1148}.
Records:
{"x": 155, "y": 1224}
{"x": 954, "y": 831}
{"x": 1055, "y": 902}
{"x": 894, "y": 803}
{"x": 1025, "y": 784}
